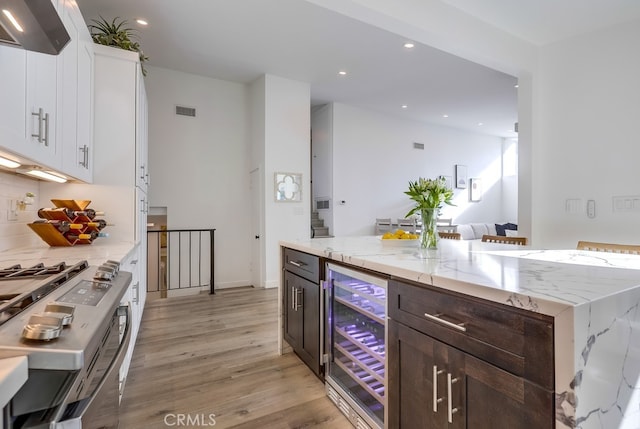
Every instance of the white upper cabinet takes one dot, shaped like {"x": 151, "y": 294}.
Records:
{"x": 75, "y": 96}
{"x": 46, "y": 112}
{"x": 13, "y": 87}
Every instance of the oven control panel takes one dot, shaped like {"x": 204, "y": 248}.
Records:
{"x": 87, "y": 292}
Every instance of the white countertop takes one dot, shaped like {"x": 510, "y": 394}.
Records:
{"x": 95, "y": 254}
{"x": 545, "y": 281}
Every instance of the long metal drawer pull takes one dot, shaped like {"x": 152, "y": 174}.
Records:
{"x": 450, "y": 410}
{"x": 293, "y": 298}
{"x": 436, "y": 400}
{"x": 297, "y": 263}
{"x": 39, "y": 115}
{"x": 437, "y": 318}
{"x": 46, "y": 129}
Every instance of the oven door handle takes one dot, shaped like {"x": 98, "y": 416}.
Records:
{"x": 76, "y": 421}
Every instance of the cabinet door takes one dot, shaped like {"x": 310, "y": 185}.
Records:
{"x": 75, "y": 99}
{"x": 413, "y": 384}
{"x": 293, "y": 320}
{"x": 498, "y": 399}
{"x": 311, "y": 323}
{"x": 13, "y": 68}
{"x": 142, "y": 165}
{"x": 468, "y": 392}
{"x": 41, "y": 112}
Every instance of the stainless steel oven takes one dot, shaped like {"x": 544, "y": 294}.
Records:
{"x": 75, "y": 333}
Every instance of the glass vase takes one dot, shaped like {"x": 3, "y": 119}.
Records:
{"x": 429, "y": 233}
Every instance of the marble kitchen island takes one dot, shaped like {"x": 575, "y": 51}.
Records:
{"x": 594, "y": 299}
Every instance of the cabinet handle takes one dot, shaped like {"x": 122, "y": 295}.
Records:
{"x": 297, "y": 263}
{"x": 436, "y": 400}
{"x": 39, "y": 115}
{"x": 136, "y": 287}
{"x": 299, "y": 291}
{"x": 293, "y": 298}
{"x": 450, "y": 410}
{"x": 438, "y": 318}
{"x": 135, "y": 261}
{"x": 83, "y": 149}
{"x": 46, "y": 129}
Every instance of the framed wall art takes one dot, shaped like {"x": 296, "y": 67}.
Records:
{"x": 288, "y": 187}
{"x": 461, "y": 176}
{"x": 475, "y": 189}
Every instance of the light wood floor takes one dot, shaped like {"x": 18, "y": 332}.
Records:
{"x": 217, "y": 354}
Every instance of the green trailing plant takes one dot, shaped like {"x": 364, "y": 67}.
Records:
{"x": 117, "y": 33}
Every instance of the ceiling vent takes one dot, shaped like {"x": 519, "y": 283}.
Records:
{"x": 186, "y": 111}
{"x": 417, "y": 145}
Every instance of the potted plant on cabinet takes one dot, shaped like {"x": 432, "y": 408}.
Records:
{"x": 116, "y": 33}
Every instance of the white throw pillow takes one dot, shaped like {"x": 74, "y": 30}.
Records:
{"x": 511, "y": 232}
{"x": 466, "y": 232}
{"x": 479, "y": 229}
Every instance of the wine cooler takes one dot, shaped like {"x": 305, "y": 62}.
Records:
{"x": 356, "y": 377}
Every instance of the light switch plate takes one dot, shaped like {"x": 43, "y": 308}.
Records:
{"x": 626, "y": 204}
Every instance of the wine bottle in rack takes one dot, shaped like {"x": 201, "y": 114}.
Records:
{"x": 54, "y": 213}
{"x": 97, "y": 223}
{"x": 61, "y": 225}
{"x": 87, "y": 236}
{"x": 90, "y": 213}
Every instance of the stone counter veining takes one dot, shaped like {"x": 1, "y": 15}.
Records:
{"x": 94, "y": 254}
{"x": 594, "y": 298}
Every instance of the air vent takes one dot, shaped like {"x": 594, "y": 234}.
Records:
{"x": 417, "y": 145}
{"x": 322, "y": 204}
{"x": 186, "y": 111}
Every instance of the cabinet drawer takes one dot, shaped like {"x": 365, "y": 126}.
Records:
{"x": 518, "y": 341}
{"x": 303, "y": 264}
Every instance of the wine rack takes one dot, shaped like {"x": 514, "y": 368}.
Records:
{"x": 69, "y": 223}
{"x": 357, "y": 362}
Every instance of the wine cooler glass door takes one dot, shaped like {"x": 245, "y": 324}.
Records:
{"x": 358, "y": 339}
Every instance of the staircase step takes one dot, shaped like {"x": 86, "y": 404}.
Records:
{"x": 315, "y": 215}
{"x": 317, "y": 223}
{"x": 320, "y": 231}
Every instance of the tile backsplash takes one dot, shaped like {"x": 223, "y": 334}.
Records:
{"x": 14, "y": 232}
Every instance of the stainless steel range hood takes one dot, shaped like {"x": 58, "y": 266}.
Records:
{"x": 33, "y": 25}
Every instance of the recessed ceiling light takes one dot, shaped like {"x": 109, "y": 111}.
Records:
{"x": 342, "y": 73}
{"x": 142, "y": 22}
{"x": 480, "y": 124}
{"x": 404, "y": 106}
{"x": 409, "y": 45}
{"x": 516, "y": 86}
{"x": 445, "y": 116}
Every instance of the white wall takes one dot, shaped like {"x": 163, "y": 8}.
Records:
{"x": 374, "y": 160}
{"x": 16, "y": 233}
{"x": 587, "y": 137}
{"x": 286, "y": 145}
{"x": 199, "y": 166}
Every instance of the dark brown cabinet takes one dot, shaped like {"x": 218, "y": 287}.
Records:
{"x": 442, "y": 375}
{"x": 301, "y": 306}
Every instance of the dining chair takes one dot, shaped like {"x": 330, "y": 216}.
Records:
{"x": 407, "y": 224}
{"x": 449, "y": 235}
{"x": 383, "y": 225}
{"x": 609, "y": 247}
{"x": 505, "y": 240}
